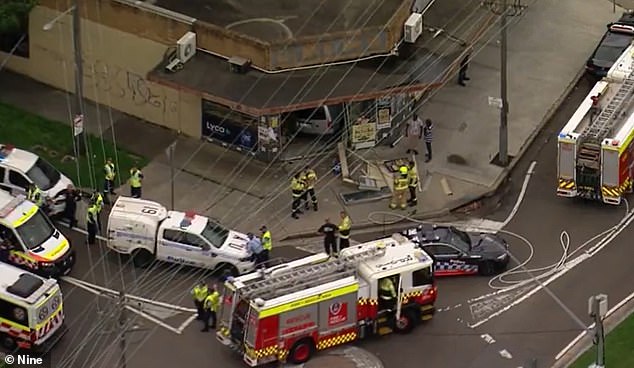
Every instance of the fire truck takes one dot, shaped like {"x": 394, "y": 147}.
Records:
{"x": 595, "y": 149}
{"x": 288, "y": 312}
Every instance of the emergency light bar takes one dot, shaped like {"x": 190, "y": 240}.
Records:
{"x": 622, "y": 28}
{"x": 187, "y": 219}
{"x": 5, "y": 151}
{"x": 15, "y": 202}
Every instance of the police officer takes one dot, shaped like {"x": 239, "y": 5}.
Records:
{"x": 329, "y": 229}
{"x": 92, "y": 222}
{"x": 297, "y": 188}
{"x": 199, "y": 293}
{"x": 211, "y": 305}
{"x": 309, "y": 177}
{"x": 136, "y": 178}
{"x": 109, "y": 174}
{"x": 387, "y": 293}
{"x": 412, "y": 177}
{"x": 35, "y": 195}
{"x": 344, "y": 231}
{"x": 267, "y": 244}
{"x": 401, "y": 183}
{"x": 70, "y": 205}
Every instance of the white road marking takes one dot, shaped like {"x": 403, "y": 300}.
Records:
{"x": 488, "y": 338}
{"x": 618, "y": 306}
{"x": 565, "y": 268}
{"x": 506, "y": 354}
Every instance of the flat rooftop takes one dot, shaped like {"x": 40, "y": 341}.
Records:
{"x": 282, "y": 20}
{"x": 257, "y": 93}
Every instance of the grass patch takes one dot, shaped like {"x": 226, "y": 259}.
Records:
{"x": 619, "y": 348}
{"x": 53, "y": 141}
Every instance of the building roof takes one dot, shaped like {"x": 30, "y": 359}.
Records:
{"x": 275, "y": 21}
{"x": 257, "y": 93}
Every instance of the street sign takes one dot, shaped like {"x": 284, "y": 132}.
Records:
{"x": 78, "y": 125}
{"x": 495, "y": 102}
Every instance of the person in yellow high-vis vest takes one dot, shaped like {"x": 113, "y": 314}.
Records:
{"x": 136, "y": 179}
{"x": 109, "y": 174}
{"x": 344, "y": 231}
{"x": 267, "y": 245}
{"x": 412, "y": 177}
{"x": 401, "y": 182}
{"x": 211, "y": 306}
{"x": 309, "y": 177}
{"x": 199, "y": 293}
{"x": 297, "y": 188}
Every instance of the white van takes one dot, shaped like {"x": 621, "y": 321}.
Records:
{"x": 324, "y": 120}
{"x": 20, "y": 168}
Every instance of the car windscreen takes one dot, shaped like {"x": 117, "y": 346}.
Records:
{"x": 35, "y": 231}
{"x": 612, "y": 46}
{"x": 215, "y": 234}
{"x": 460, "y": 239}
{"x": 312, "y": 114}
{"x": 43, "y": 174}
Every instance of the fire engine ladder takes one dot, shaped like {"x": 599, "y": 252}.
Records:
{"x": 310, "y": 276}
{"x": 601, "y": 126}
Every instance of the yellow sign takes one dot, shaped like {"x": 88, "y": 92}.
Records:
{"x": 362, "y": 133}
{"x": 308, "y": 301}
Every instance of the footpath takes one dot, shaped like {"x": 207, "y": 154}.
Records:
{"x": 547, "y": 49}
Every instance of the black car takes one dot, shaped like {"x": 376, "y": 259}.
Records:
{"x": 458, "y": 252}
{"x": 617, "y": 38}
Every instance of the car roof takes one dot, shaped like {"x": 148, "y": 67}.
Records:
{"x": 19, "y": 159}
{"x": 627, "y": 18}
{"x": 176, "y": 220}
{"x": 15, "y": 208}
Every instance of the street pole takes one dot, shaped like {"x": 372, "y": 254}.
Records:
{"x": 79, "y": 136}
{"x": 170, "y": 155}
{"x": 122, "y": 329}
{"x": 503, "y": 144}
{"x": 597, "y": 308}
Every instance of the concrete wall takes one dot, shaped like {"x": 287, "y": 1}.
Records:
{"x": 115, "y": 67}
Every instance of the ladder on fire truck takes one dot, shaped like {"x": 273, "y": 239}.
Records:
{"x": 602, "y": 125}
{"x": 312, "y": 275}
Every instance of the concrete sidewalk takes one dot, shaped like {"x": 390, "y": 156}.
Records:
{"x": 547, "y": 50}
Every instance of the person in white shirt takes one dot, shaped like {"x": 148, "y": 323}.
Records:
{"x": 413, "y": 134}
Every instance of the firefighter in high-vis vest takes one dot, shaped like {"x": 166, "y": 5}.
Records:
{"x": 92, "y": 222}
{"x": 309, "y": 177}
{"x": 401, "y": 182}
{"x": 344, "y": 231}
{"x": 211, "y": 306}
{"x": 136, "y": 179}
{"x": 387, "y": 293}
{"x": 199, "y": 293}
{"x": 36, "y": 196}
{"x": 267, "y": 245}
{"x": 412, "y": 177}
{"x": 297, "y": 188}
{"x": 109, "y": 173}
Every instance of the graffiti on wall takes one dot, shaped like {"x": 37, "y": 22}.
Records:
{"x": 126, "y": 85}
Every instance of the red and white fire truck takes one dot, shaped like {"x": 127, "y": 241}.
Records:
{"x": 595, "y": 150}
{"x": 290, "y": 311}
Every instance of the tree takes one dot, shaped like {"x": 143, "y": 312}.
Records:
{"x": 13, "y": 13}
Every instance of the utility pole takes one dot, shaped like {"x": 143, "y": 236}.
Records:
{"x": 123, "y": 319}
{"x": 170, "y": 155}
{"x": 597, "y": 309}
{"x": 79, "y": 133}
{"x": 504, "y": 111}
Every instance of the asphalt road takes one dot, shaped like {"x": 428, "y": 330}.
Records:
{"x": 539, "y": 326}
{"x": 94, "y": 334}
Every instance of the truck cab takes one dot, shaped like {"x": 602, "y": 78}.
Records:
{"x": 147, "y": 231}
{"x": 28, "y": 239}
{"x": 20, "y": 168}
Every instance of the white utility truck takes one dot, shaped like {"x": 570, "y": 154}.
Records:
{"x": 147, "y": 231}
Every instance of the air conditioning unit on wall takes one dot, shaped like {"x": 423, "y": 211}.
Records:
{"x": 186, "y": 47}
{"x": 413, "y": 27}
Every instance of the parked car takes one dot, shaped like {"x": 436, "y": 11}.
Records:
{"x": 615, "y": 40}
{"x": 324, "y": 120}
{"x": 458, "y": 252}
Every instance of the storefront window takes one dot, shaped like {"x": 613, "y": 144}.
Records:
{"x": 220, "y": 123}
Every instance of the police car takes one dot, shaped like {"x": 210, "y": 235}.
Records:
{"x": 146, "y": 231}
{"x": 28, "y": 239}
{"x": 458, "y": 252}
{"x": 20, "y": 168}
